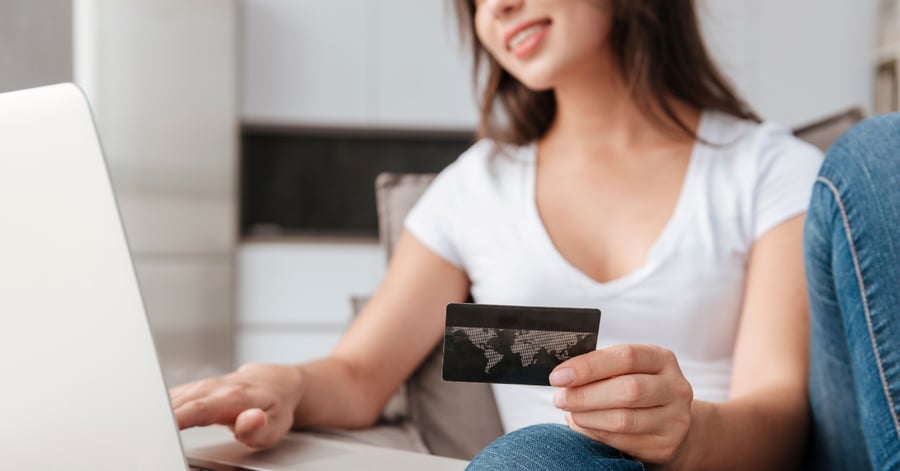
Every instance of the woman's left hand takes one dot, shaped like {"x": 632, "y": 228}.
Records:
{"x": 631, "y": 397}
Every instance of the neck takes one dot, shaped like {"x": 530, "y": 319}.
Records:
{"x": 594, "y": 110}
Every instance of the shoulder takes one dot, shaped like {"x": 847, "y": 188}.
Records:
{"x": 486, "y": 154}
{"x": 473, "y": 159}
{"x": 464, "y": 191}
{"x": 752, "y": 148}
{"x": 759, "y": 172}
{"x": 485, "y": 164}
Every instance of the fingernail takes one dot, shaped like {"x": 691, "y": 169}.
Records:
{"x": 563, "y": 377}
{"x": 559, "y": 399}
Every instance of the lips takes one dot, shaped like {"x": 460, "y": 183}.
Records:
{"x": 521, "y": 33}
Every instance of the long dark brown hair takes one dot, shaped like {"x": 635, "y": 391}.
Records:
{"x": 660, "y": 53}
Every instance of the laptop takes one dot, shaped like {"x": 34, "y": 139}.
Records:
{"x": 81, "y": 383}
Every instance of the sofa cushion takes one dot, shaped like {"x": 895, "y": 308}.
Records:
{"x": 454, "y": 419}
{"x": 824, "y": 132}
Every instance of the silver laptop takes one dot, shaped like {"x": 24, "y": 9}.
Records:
{"x": 81, "y": 385}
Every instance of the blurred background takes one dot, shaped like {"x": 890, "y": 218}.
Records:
{"x": 243, "y": 136}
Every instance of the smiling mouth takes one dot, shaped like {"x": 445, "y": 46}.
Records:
{"x": 526, "y": 34}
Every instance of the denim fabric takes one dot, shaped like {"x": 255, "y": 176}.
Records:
{"x": 852, "y": 253}
{"x": 550, "y": 447}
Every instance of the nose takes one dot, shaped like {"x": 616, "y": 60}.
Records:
{"x": 501, "y": 8}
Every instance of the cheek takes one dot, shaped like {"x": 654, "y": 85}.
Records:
{"x": 487, "y": 37}
{"x": 484, "y": 38}
{"x": 591, "y": 23}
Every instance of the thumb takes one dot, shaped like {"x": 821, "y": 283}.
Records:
{"x": 253, "y": 428}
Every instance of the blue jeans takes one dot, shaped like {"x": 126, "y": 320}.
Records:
{"x": 550, "y": 447}
{"x": 852, "y": 253}
{"x": 852, "y": 256}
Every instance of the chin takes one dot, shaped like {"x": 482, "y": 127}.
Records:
{"x": 535, "y": 80}
{"x": 544, "y": 73}
{"x": 537, "y": 86}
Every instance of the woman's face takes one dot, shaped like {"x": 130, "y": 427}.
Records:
{"x": 540, "y": 42}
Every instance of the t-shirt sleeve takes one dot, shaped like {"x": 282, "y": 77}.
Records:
{"x": 787, "y": 171}
{"x": 433, "y": 219}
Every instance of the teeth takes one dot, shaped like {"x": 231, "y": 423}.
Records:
{"x": 524, "y": 34}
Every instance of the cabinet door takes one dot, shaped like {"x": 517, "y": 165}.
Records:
{"x": 160, "y": 75}
{"x": 304, "y": 283}
{"x": 283, "y": 346}
{"x": 815, "y": 57}
{"x": 730, "y": 32}
{"x": 305, "y": 62}
{"x": 189, "y": 305}
{"x": 422, "y": 72}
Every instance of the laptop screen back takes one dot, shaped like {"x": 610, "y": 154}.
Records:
{"x": 82, "y": 388}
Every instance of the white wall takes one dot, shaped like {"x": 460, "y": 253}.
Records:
{"x": 796, "y": 60}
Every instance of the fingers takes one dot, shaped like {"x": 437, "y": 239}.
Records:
{"x": 256, "y": 402}
{"x": 255, "y": 428}
{"x": 632, "y": 391}
{"x": 202, "y": 412}
{"x": 631, "y": 397}
{"x": 186, "y": 392}
{"x": 252, "y": 421}
{"x": 609, "y": 362}
{"x": 621, "y": 421}
{"x": 633, "y": 431}
{"x": 219, "y": 406}
{"x": 249, "y": 422}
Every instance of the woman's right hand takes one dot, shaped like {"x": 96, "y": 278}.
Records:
{"x": 257, "y": 402}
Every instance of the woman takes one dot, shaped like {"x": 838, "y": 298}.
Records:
{"x": 623, "y": 173}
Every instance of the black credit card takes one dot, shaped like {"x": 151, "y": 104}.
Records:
{"x": 514, "y": 344}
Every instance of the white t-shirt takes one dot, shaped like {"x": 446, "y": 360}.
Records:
{"x": 480, "y": 215}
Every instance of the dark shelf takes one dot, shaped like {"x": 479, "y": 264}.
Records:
{"x": 323, "y": 181}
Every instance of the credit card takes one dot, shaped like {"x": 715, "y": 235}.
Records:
{"x": 514, "y": 344}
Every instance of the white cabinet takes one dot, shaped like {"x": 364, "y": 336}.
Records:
{"x": 398, "y": 64}
{"x": 815, "y": 57}
{"x": 284, "y": 347}
{"x": 355, "y": 63}
{"x": 307, "y": 62}
{"x": 161, "y": 77}
{"x": 729, "y": 28}
{"x": 294, "y": 296}
{"x": 423, "y": 73}
{"x": 797, "y": 61}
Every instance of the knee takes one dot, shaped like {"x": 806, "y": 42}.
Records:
{"x": 860, "y": 166}
{"x": 550, "y": 447}
{"x": 870, "y": 151}
{"x": 518, "y": 447}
